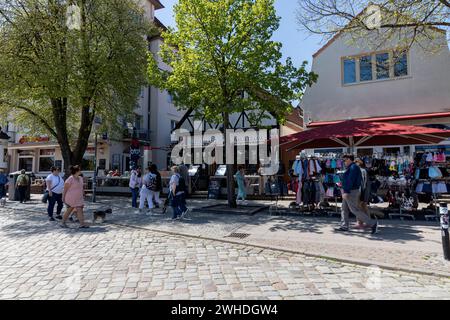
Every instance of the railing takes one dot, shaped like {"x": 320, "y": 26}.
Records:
{"x": 141, "y": 134}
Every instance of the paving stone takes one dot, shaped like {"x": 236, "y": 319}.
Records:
{"x": 142, "y": 264}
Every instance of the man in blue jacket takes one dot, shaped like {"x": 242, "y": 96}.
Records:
{"x": 3, "y": 183}
{"x": 351, "y": 196}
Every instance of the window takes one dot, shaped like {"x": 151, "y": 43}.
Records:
{"x": 26, "y": 160}
{"x": 375, "y": 66}
{"x": 400, "y": 64}
{"x": 169, "y": 98}
{"x": 116, "y": 161}
{"x": 87, "y": 164}
{"x": 26, "y": 163}
{"x": 365, "y": 68}
{"x": 45, "y": 164}
{"x": 382, "y": 66}
{"x": 349, "y": 71}
{"x": 173, "y": 124}
{"x": 322, "y": 151}
{"x": 138, "y": 122}
{"x": 391, "y": 151}
{"x": 46, "y": 159}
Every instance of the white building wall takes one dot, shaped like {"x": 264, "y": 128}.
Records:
{"x": 426, "y": 88}
{"x": 162, "y": 113}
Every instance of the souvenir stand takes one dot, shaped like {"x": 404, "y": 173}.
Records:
{"x": 315, "y": 180}
{"x": 391, "y": 173}
{"x": 432, "y": 178}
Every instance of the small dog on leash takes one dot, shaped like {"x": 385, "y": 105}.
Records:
{"x": 3, "y": 202}
{"x": 101, "y": 214}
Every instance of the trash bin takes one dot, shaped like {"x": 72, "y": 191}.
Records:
{"x": 13, "y": 192}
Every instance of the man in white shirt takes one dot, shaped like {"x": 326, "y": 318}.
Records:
{"x": 55, "y": 188}
{"x": 135, "y": 185}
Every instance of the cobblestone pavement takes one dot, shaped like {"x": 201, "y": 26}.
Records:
{"x": 38, "y": 260}
{"x": 411, "y": 246}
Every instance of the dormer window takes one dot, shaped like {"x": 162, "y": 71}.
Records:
{"x": 376, "y": 66}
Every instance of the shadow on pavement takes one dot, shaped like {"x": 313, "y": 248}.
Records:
{"x": 27, "y": 224}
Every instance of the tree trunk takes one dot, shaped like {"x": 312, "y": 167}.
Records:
{"x": 59, "y": 108}
{"x": 230, "y": 170}
{"x": 70, "y": 157}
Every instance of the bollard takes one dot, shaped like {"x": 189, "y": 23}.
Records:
{"x": 443, "y": 210}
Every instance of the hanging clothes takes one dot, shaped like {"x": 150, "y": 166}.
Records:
{"x": 299, "y": 193}
{"x": 314, "y": 167}
{"x": 298, "y": 168}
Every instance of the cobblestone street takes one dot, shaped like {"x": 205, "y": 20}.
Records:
{"x": 38, "y": 260}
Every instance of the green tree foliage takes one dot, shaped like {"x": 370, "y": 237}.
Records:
{"x": 221, "y": 49}
{"x": 55, "y": 79}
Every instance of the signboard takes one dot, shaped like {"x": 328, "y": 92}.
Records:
{"x": 193, "y": 170}
{"x": 214, "y": 189}
{"x": 31, "y": 139}
{"x": 221, "y": 170}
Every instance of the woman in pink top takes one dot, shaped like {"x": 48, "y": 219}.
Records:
{"x": 73, "y": 196}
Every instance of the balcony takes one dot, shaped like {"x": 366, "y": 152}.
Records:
{"x": 143, "y": 135}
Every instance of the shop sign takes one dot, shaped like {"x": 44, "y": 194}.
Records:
{"x": 34, "y": 139}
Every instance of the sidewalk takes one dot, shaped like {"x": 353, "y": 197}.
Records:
{"x": 401, "y": 245}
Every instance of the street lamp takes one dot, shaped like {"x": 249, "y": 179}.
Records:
{"x": 97, "y": 124}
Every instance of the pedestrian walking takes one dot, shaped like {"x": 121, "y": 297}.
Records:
{"x": 177, "y": 187}
{"x": 22, "y": 185}
{"x": 365, "y": 190}
{"x": 3, "y": 183}
{"x": 240, "y": 179}
{"x": 135, "y": 185}
{"x": 147, "y": 191}
{"x": 73, "y": 197}
{"x": 55, "y": 188}
{"x": 184, "y": 173}
{"x": 351, "y": 197}
{"x": 158, "y": 188}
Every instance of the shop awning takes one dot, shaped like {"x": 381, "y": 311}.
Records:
{"x": 353, "y": 133}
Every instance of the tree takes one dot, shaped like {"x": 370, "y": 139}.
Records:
{"x": 409, "y": 21}
{"x": 220, "y": 49}
{"x": 56, "y": 78}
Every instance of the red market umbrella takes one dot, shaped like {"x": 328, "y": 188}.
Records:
{"x": 353, "y": 133}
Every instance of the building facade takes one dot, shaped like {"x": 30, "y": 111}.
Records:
{"x": 391, "y": 83}
{"x": 154, "y": 118}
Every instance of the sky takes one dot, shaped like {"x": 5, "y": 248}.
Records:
{"x": 300, "y": 46}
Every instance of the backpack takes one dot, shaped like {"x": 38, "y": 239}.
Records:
{"x": 22, "y": 180}
{"x": 151, "y": 182}
{"x": 181, "y": 185}
{"x": 3, "y": 179}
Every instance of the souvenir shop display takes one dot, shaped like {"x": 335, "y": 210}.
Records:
{"x": 401, "y": 180}
{"x": 313, "y": 180}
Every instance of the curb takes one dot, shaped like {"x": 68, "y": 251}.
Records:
{"x": 364, "y": 263}
{"x": 329, "y": 257}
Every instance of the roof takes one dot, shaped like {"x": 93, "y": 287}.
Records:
{"x": 388, "y": 119}
{"x": 295, "y": 117}
{"x": 363, "y": 133}
{"x": 159, "y": 24}
{"x": 340, "y": 32}
{"x": 158, "y": 5}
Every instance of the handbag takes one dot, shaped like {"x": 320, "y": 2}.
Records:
{"x": 45, "y": 197}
